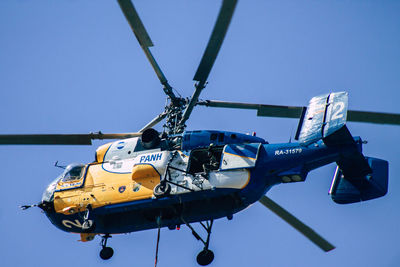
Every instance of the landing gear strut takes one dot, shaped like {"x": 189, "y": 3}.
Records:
{"x": 206, "y": 256}
{"x": 106, "y": 252}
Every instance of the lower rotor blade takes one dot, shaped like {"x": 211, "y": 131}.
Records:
{"x": 262, "y": 110}
{"x": 153, "y": 122}
{"x": 373, "y": 117}
{"x": 59, "y": 139}
{"x": 225, "y": 104}
{"x": 45, "y": 139}
{"x": 295, "y": 112}
{"x": 297, "y": 224}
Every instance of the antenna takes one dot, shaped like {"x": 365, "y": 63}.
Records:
{"x": 59, "y": 166}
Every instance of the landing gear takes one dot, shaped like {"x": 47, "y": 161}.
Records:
{"x": 106, "y": 252}
{"x": 206, "y": 256}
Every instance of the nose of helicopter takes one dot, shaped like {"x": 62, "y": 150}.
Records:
{"x": 47, "y": 203}
{"x": 46, "y": 206}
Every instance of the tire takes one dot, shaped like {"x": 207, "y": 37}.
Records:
{"x": 106, "y": 253}
{"x": 205, "y": 257}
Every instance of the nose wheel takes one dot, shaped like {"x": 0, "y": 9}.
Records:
{"x": 205, "y": 257}
{"x": 106, "y": 252}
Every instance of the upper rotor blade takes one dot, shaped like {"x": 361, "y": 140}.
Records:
{"x": 295, "y": 112}
{"x": 145, "y": 42}
{"x": 216, "y": 39}
{"x": 135, "y": 22}
{"x": 210, "y": 54}
{"x": 59, "y": 139}
{"x": 297, "y": 224}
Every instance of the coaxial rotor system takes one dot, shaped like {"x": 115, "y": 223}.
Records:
{"x": 178, "y": 110}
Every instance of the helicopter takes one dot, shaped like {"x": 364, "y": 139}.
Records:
{"x": 204, "y": 168}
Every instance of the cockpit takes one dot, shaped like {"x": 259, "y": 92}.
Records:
{"x": 71, "y": 173}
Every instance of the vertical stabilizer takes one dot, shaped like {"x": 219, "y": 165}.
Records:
{"x": 325, "y": 115}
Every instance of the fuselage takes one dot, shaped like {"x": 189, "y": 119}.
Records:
{"x": 208, "y": 182}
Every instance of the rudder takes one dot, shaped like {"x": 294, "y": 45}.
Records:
{"x": 324, "y": 115}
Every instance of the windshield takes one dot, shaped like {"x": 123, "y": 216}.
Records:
{"x": 48, "y": 194}
{"x": 72, "y": 172}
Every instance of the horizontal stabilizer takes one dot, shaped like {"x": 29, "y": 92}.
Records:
{"x": 350, "y": 187}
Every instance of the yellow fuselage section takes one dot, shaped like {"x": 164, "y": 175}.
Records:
{"x": 99, "y": 187}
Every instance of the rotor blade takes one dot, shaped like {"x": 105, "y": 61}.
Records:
{"x": 210, "y": 54}
{"x": 373, "y": 117}
{"x": 192, "y": 103}
{"x": 153, "y": 122}
{"x": 297, "y": 224}
{"x": 262, "y": 110}
{"x": 59, "y": 139}
{"x": 295, "y": 112}
{"x": 216, "y": 39}
{"x": 135, "y": 22}
{"x": 145, "y": 42}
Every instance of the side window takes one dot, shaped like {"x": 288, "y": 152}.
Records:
{"x": 204, "y": 159}
{"x": 221, "y": 137}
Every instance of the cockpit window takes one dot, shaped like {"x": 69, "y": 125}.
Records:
{"x": 48, "y": 194}
{"x": 73, "y": 172}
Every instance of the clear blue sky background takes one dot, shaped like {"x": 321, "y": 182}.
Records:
{"x": 73, "y": 66}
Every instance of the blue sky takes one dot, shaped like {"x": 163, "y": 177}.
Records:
{"x": 75, "y": 67}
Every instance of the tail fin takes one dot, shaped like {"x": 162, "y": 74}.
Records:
{"x": 357, "y": 178}
{"x": 325, "y": 119}
{"x": 324, "y": 115}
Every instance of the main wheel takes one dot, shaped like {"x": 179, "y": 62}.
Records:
{"x": 161, "y": 190}
{"x": 106, "y": 253}
{"x": 205, "y": 257}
